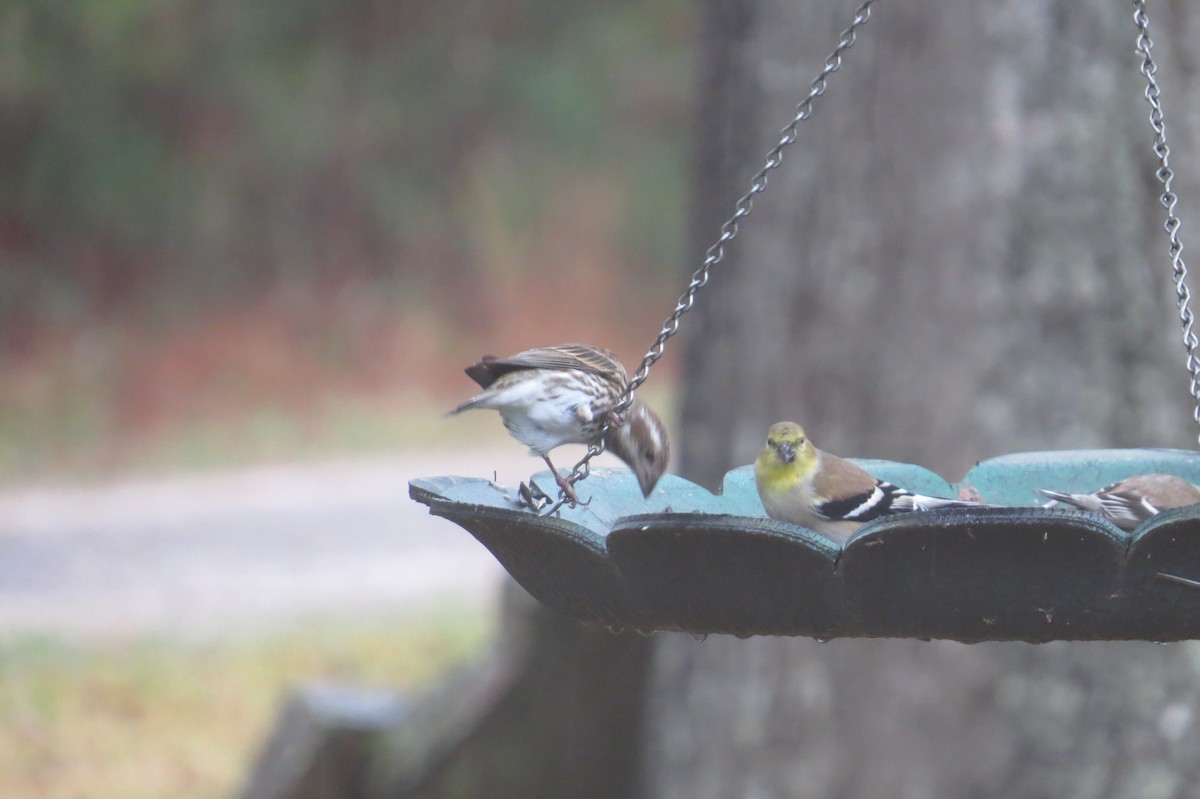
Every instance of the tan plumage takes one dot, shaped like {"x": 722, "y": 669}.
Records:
{"x": 801, "y": 484}
{"x": 1130, "y": 502}
{"x": 561, "y": 357}
{"x": 550, "y": 396}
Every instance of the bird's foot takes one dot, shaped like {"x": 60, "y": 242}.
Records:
{"x": 564, "y": 483}
{"x": 530, "y": 495}
{"x": 568, "y": 490}
{"x": 614, "y": 418}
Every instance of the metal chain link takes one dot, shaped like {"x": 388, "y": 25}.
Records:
{"x": 1169, "y": 200}
{"x": 716, "y": 252}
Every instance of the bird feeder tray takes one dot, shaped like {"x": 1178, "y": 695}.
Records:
{"x": 689, "y": 560}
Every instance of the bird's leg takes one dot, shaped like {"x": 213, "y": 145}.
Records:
{"x": 563, "y": 482}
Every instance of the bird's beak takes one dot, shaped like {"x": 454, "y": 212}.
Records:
{"x": 646, "y": 481}
{"x": 643, "y": 444}
{"x": 786, "y": 450}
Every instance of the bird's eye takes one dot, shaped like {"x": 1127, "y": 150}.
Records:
{"x": 800, "y": 441}
{"x": 770, "y": 442}
{"x": 648, "y": 454}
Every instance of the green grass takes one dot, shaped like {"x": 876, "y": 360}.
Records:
{"x": 157, "y": 718}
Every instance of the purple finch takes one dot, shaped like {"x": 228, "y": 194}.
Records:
{"x": 549, "y": 396}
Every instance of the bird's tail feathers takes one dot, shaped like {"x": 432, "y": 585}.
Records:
{"x": 478, "y": 401}
{"x": 921, "y": 502}
{"x": 1056, "y": 496}
{"x": 1088, "y": 502}
{"x": 1105, "y": 505}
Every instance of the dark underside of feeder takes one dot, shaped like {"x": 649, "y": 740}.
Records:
{"x": 686, "y": 559}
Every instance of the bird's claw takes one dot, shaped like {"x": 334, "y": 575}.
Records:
{"x": 568, "y": 491}
{"x": 530, "y": 495}
{"x": 614, "y": 419}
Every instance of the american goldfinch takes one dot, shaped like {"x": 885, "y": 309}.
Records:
{"x": 1132, "y": 501}
{"x": 799, "y": 483}
{"x": 551, "y": 396}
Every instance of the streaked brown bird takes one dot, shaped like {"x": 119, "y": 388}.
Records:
{"x": 1133, "y": 500}
{"x": 550, "y": 396}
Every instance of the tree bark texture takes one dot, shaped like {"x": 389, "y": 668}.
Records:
{"x": 552, "y": 712}
{"x": 962, "y": 256}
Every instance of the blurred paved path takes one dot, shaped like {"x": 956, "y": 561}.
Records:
{"x": 199, "y": 555}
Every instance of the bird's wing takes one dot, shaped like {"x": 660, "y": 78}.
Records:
{"x": 883, "y": 499}
{"x": 580, "y": 357}
{"x": 1130, "y": 502}
{"x": 1126, "y": 508}
{"x": 847, "y": 492}
{"x": 850, "y": 493}
{"x": 1160, "y": 490}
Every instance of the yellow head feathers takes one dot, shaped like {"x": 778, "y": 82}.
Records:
{"x": 788, "y": 455}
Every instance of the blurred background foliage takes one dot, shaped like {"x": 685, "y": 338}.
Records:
{"x": 233, "y": 232}
{"x": 238, "y": 230}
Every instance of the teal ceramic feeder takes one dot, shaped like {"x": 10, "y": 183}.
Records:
{"x": 686, "y": 559}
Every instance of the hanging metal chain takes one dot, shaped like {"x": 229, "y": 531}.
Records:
{"x": 1169, "y": 200}
{"x": 716, "y": 252}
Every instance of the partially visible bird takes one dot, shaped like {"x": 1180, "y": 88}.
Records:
{"x": 549, "y": 396}
{"x": 801, "y": 484}
{"x": 1133, "y": 500}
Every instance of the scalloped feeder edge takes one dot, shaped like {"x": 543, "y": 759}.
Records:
{"x": 689, "y": 560}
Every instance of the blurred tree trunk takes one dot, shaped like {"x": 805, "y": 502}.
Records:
{"x": 963, "y": 256}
